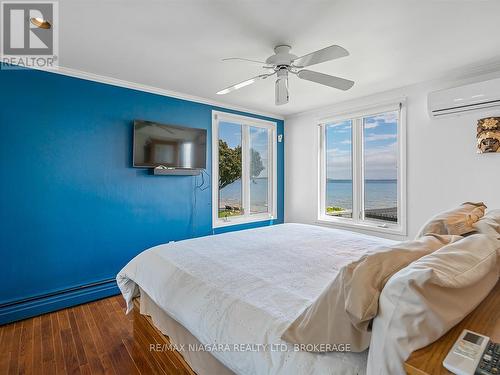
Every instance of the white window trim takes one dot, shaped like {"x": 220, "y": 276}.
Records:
{"x": 356, "y": 222}
{"x": 218, "y": 116}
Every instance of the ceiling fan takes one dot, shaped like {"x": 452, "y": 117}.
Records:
{"x": 283, "y": 62}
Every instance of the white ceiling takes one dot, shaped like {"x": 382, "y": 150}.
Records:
{"x": 178, "y": 45}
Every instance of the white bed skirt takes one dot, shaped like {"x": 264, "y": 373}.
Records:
{"x": 202, "y": 362}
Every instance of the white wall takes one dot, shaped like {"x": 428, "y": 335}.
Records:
{"x": 443, "y": 168}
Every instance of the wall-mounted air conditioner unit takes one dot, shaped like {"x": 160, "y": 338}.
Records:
{"x": 465, "y": 98}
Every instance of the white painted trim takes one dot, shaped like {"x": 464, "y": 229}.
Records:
{"x": 465, "y": 75}
{"x": 272, "y": 172}
{"x": 244, "y": 120}
{"x": 243, "y": 220}
{"x": 215, "y": 172}
{"x": 359, "y": 111}
{"x": 357, "y": 220}
{"x": 347, "y": 224}
{"x": 155, "y": 90}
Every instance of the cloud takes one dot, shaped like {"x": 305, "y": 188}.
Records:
{"x": 338, "y": 163}
{"x": 373, "y": 122}
{"x": 380, "y": 163}
{"x": 384, "y": 117}
{"x": 346, "y": 142}
{"x": 380, "y": 137}
{"x": 371, "y": 125}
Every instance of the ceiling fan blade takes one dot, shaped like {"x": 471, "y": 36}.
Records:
{"x": 243, "y": 84}
{"x": 322, "y": 55}
{"x": 326, "y": 79}
{"x": 243, "y": 59}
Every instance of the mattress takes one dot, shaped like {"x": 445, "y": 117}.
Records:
{"x": 237, "y": 292}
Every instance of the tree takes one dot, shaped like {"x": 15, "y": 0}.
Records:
{"x": 256, "y": 165}
{"x": 229, "y": 164}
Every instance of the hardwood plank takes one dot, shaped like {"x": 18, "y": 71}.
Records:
{"x": 7, "y": 337}
{"x": 80, "y": 352}
{"x": 60, "y": 366}
{"x": 98, "y": 341}
{"x": 48, "y": 350}
{"x": 26, "y": 348}
{"x": 69, "y": 348}
{"x": 120, "y": 358}
{"x": 15, "y": 349}
{"x": 101, "y": 317}
{"x": 94, "y": 338}
{"x": 121, "y": 302}
{"x": 146, "y": 333}
{"x": 89, "y": 346}
{"x": 94, "y": 330}
{"x": 162, "y": 363}
{"x": 137, "y": 356}
{"x": 37, "y": 345}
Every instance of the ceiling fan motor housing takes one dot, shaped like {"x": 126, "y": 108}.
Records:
{"x": 282, "y": 56}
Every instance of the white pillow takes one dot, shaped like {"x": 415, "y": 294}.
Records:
{"x": 457, "y": 221}
{"x": 423, "y": 301}
{"x": 489, "y": 224}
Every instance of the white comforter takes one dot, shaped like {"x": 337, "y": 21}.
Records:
{"x": 246, "y": 287}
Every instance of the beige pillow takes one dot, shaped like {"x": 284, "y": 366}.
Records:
{"x": 489, "y": 224}
{"x": 344, "y": 310}
{"x": 458, "y": 221}
{"x": 423, "y": 301}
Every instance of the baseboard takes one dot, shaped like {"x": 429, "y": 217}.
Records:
{"x": 57, "y": 301}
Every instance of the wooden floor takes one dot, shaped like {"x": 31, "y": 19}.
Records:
{"x": 94, "y": 338}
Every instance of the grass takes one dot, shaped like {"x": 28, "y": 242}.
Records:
{"x": 333, "y": 209}
{"x": 229, "y": 213}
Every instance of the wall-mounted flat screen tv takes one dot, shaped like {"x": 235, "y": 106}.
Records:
{"x": 169, "y": 146}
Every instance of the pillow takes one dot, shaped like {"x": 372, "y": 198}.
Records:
{"x": 457, "y": 221}
{"x": 489, "y": 224}
{"x": 423, "y": 301}
{"x": 344, "y": 310}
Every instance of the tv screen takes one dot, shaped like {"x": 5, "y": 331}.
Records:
{"x": 170, "y": 146}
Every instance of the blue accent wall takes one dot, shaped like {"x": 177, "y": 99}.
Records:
{"x": 73, "y": 210}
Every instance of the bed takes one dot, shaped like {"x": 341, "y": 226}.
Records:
{"x": 241, "y": 290}
{"x": 230, "y": 298}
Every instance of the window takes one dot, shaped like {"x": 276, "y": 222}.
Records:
{"x": 244, "y": 169}
{"x": 362, "y": 166}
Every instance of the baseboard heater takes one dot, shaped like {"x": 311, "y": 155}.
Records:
{"x": 44, "y": 303}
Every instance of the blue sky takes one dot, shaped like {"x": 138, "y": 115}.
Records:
{"x": 230, "y": 133}
{"x": 380, "y": 145}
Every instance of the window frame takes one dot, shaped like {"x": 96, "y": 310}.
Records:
{"x": 358, "y": 167}
{"x": 246, "y": 122}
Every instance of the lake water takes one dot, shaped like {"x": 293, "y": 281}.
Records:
{"x": 378, "y": 194}
{"x": 231, "y": 195}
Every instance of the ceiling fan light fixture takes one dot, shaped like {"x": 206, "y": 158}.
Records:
{"x": 281, "y": 87}
{"x": 40, "y": 23}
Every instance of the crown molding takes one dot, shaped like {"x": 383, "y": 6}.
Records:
{"x": 461, "y": 76}
{"x": 75, "y": 73}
